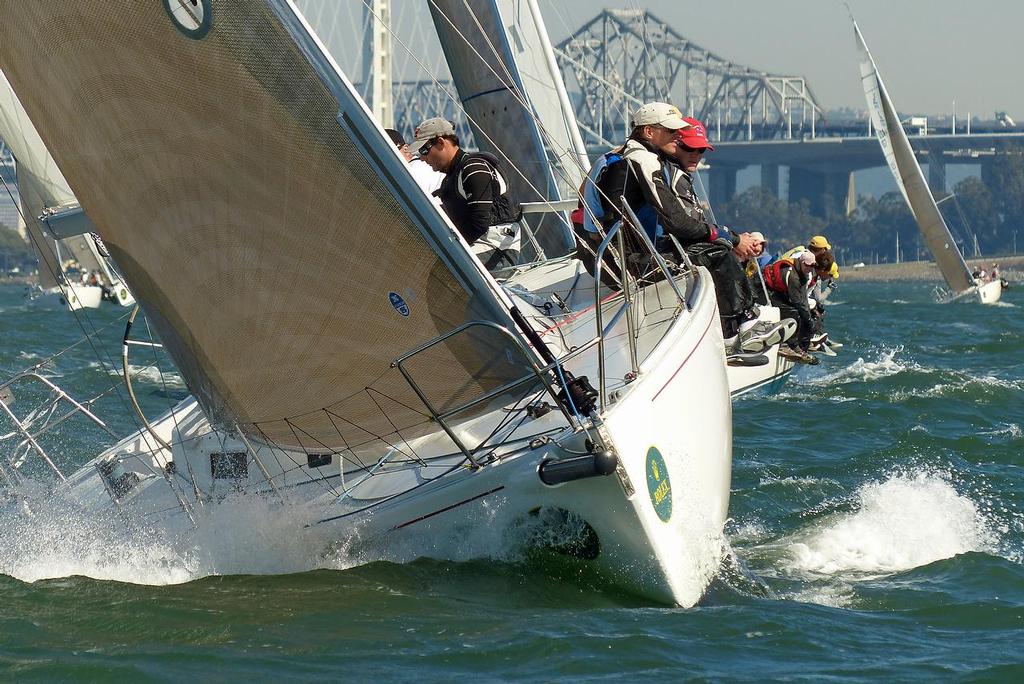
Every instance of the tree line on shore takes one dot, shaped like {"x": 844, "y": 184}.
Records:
{"x": 989, "y": 209}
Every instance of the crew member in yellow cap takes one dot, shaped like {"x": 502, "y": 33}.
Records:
{"x": 816, "y": 245}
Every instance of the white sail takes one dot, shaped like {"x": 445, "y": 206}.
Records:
{"x": 545, "y": 90}
{"x": 511, "y": 91}
{"x": 40, "y": 183}
{"x": 909, "y": 177}
{"x": 281, "y": 247}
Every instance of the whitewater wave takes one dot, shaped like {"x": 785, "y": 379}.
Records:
{"x": 887, "y": 364}
{"x": 903, "y": 522}
{"x": 962, "y": 383}
{"x": 63, "y": 539}
{"x": 152, "y": 375}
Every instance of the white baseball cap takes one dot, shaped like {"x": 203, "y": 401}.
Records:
{"x": 658, "y": 113}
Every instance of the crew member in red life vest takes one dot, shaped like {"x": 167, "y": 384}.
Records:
{"x": 787, "y": 285}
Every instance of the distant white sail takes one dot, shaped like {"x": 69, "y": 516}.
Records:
{"x": 40, "y": 183}
{"x": 507, "y": 84}
{"x": 42, "y": 186}
{"x": 909, "y": 177}
{"x": 281, "y": 247}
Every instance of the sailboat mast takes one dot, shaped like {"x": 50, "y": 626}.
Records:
{"x": 377, "y": 61}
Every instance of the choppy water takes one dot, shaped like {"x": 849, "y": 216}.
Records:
{"x": 876, "y": 532}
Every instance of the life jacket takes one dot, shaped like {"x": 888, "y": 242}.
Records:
{"x": 593, "y": 214}
{"x": 505, "y": 207}
{"x": 773, "y": 276}
{"x": 592, "y": 210}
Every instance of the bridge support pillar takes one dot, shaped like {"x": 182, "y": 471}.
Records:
{"x": 827, "y": 192}
{"x": 723, "y": 184}
{"x": 770, "y": 178}
{"x": 936, "y": 172}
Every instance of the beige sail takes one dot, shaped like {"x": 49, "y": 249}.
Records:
{"x": 42, "y": 186}
{"x": 282, "y": 249}
{"x": 909, "y": 177}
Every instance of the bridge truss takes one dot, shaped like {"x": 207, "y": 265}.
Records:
{"x": 622, "y": 58}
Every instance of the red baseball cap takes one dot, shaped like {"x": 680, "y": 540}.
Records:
{"x": 695, "y": 135}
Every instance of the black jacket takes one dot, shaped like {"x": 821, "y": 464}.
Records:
{"x": 475, "y": 196}
{"x": 643, "y": 178}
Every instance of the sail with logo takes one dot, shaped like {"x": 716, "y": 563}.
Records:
{"x": 272, "y": 231}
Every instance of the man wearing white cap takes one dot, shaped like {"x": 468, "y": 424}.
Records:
{"x": 473, "y": 193}
{"x": 639, "y": 172}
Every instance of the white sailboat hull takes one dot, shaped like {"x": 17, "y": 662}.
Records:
{"x": 67, "y": 297}
{"x": 658, "y": 521}
{"x": 745, "y": 379}
{"x": 990, "y": 293}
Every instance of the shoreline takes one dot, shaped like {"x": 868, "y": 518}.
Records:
{"x": 1011, "y": 268}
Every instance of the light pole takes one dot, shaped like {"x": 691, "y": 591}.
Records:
{"x": 1014, "y": 243}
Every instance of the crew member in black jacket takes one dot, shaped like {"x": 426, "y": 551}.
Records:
{"x": 473, "y": 193}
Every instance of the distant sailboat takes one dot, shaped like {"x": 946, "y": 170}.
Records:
{"x": 912, "y": 184}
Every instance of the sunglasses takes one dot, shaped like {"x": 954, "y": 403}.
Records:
{"x": 426, "y": 147}
{"x": 692, "y": 150}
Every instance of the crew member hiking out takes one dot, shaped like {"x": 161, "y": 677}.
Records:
{"x": 718, "y": 249}
{"x": 787, "y": 285}
{"x": 473, "y": 194}
{"x": 640, "y": 171}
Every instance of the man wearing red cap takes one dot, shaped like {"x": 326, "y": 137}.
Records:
{"x": 715, "y": 247}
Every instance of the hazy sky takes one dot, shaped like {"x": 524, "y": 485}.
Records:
{"x": 929, "y": 52}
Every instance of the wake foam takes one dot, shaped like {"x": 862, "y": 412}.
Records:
{"x": 150, "y": 374}
{"x": 887, "y": 364}
{"x": 904, "y": 522}
{"x": 59, "y": 538}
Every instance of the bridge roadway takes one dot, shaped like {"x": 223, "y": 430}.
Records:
{"x": 820, "y": 168}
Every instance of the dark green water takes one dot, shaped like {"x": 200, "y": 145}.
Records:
{"x": 876, "y": 529}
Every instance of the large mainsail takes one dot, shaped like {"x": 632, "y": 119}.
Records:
{"x": 909, "y": 177}
{"x": 511, "y": 89}
{"x": 282, "y": 249}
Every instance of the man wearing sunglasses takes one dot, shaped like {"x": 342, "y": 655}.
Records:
{"x": 719, "y": 249}
{"x": 473, "y": 194}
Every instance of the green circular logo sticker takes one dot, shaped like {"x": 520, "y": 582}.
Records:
{"x": 658, "y": 485}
